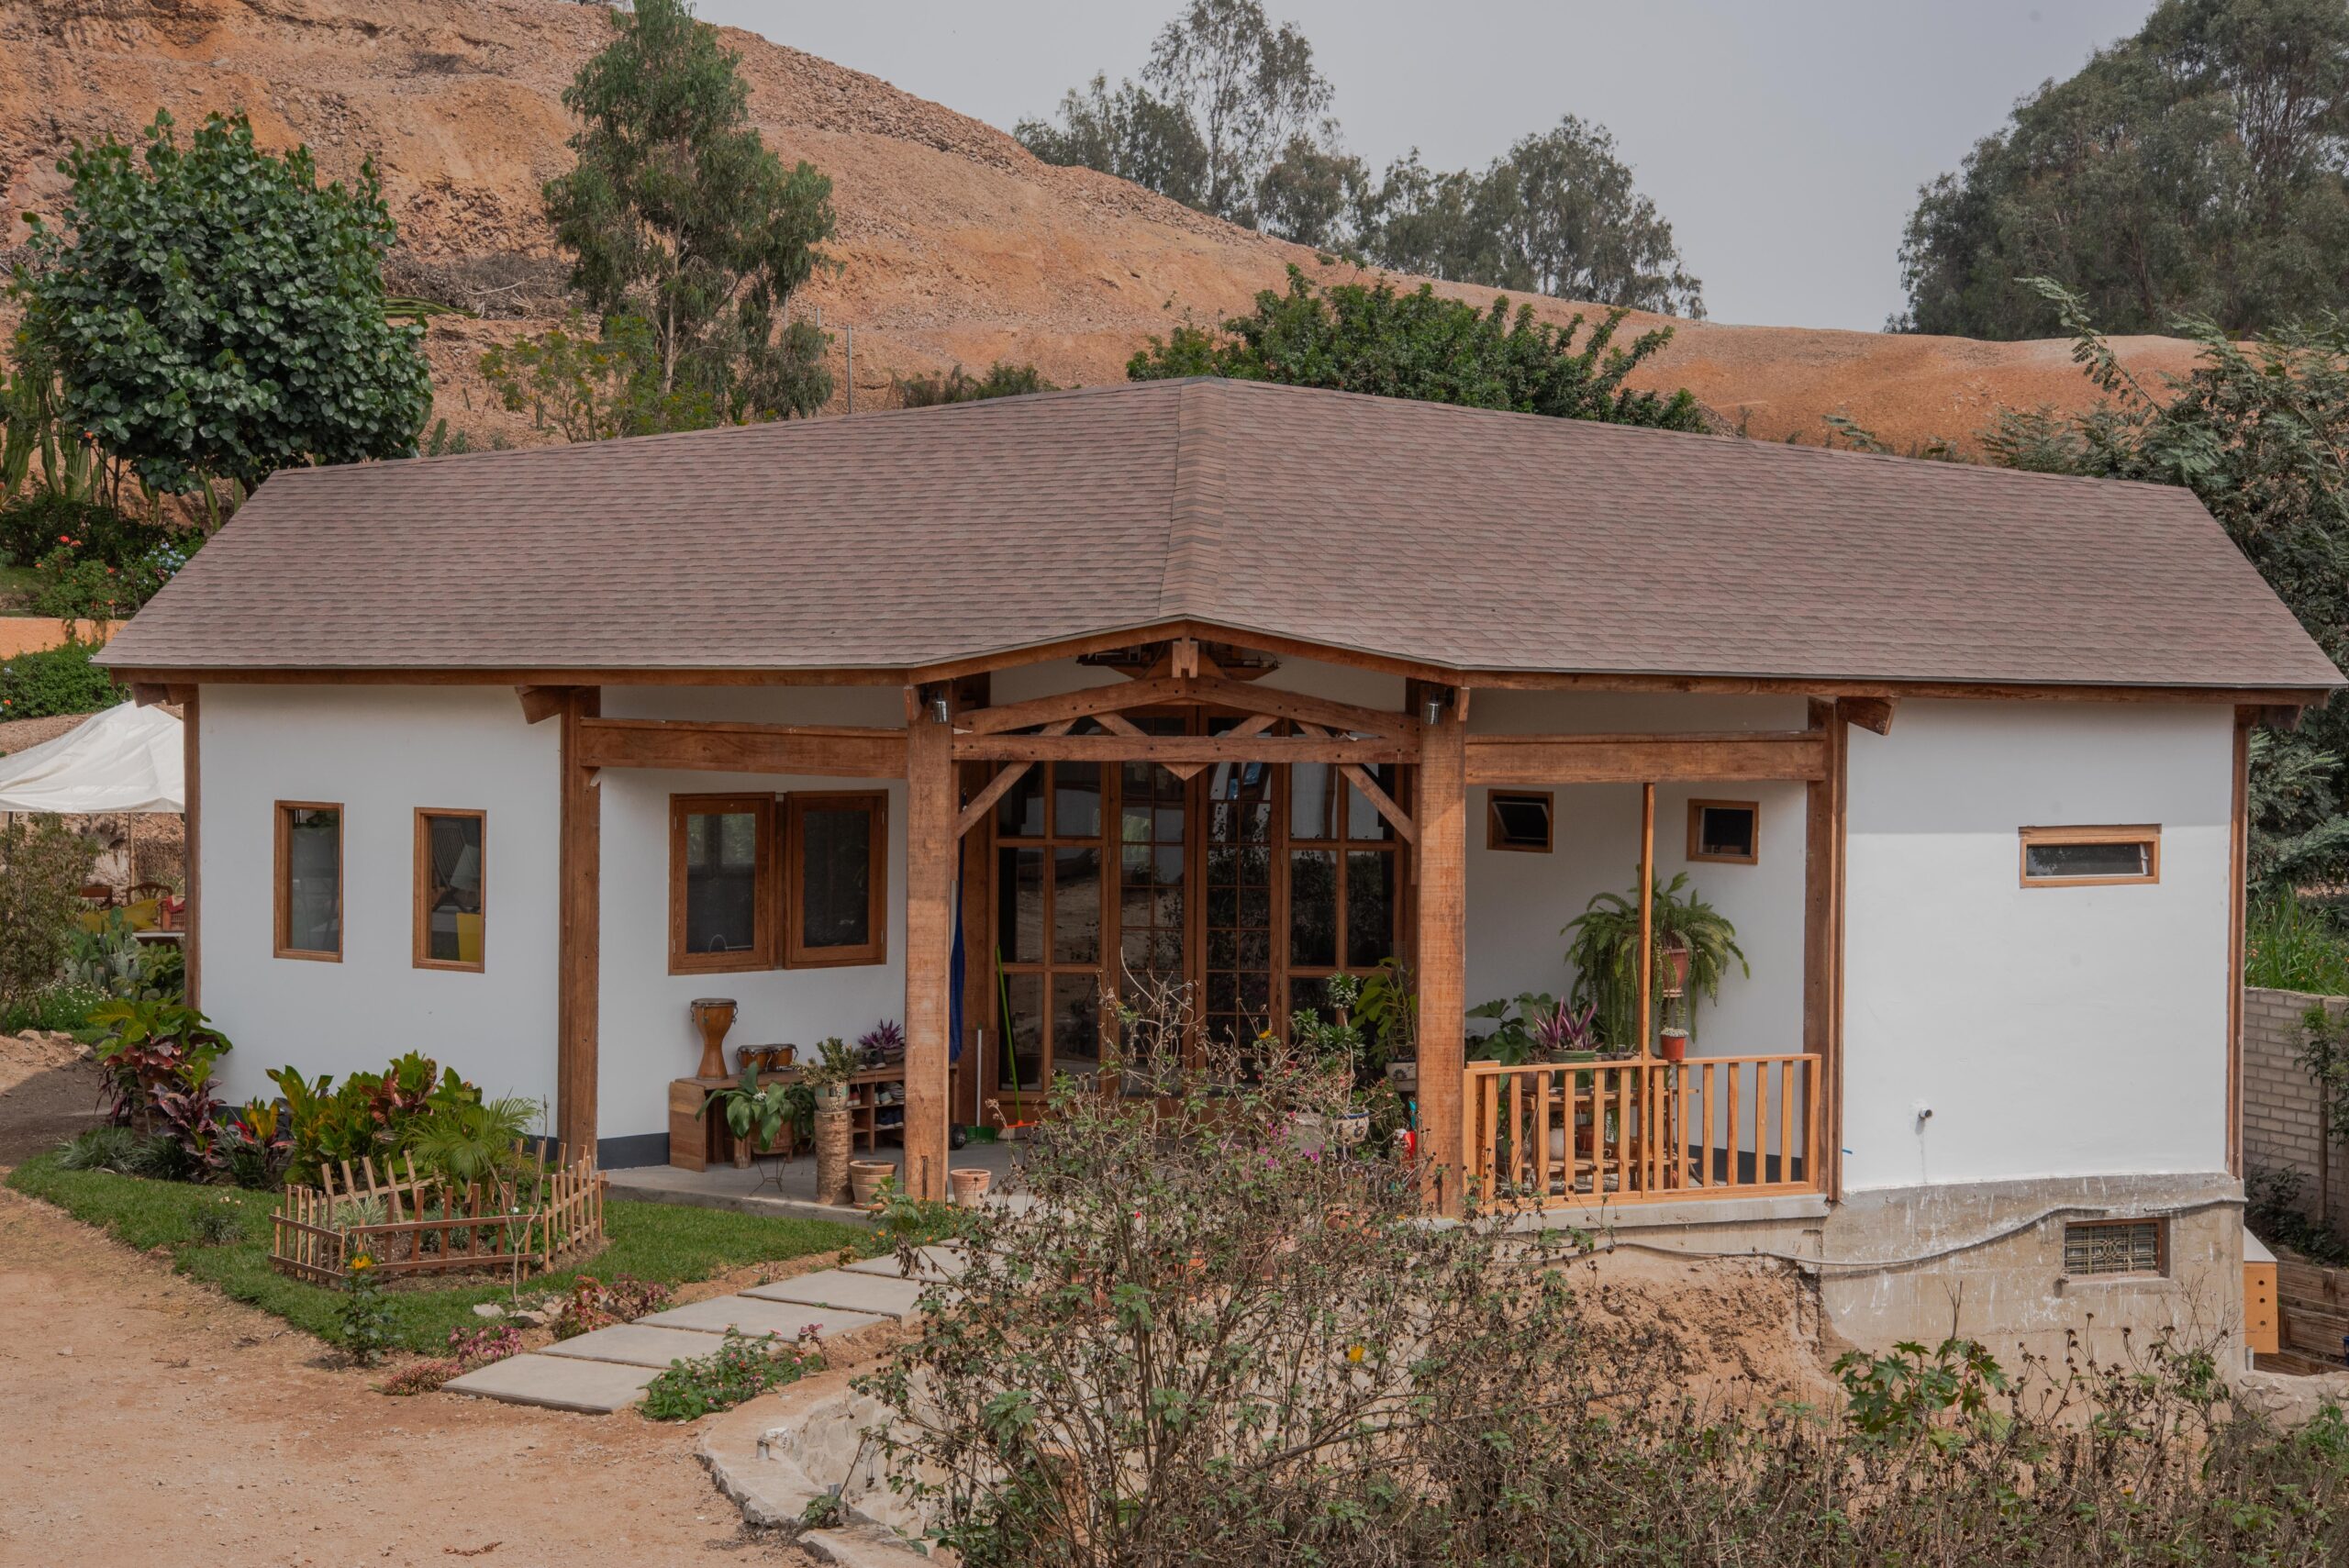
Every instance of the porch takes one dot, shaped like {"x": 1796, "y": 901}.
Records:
{"x": 1183, "y": 817}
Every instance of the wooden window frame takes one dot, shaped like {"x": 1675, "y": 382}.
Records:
{"x": 796, "y": 954}
{"x": 1286, "y": 843}
{"x": 2161, "y": 1248}
{"x": 765, "y": 883}
{"x": 2147, "y": 834}
{"x": 282, "y": 892}
{"x": 423, "y": 958}
{"x": 1496, "y": 839}
{"x": 1696, "y": 851}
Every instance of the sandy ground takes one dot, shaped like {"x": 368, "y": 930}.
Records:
{"x": 144, "y": 1419}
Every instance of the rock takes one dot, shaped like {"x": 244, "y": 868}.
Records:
{"x": 488, "y": 1309}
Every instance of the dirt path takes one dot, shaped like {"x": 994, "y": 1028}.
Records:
{"x": 145, "y": 1420}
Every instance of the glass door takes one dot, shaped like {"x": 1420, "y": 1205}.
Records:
{"x": 1048, "y": 932}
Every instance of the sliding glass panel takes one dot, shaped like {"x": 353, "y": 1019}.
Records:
{"x": 1019, "y": 813}
{"x": 1312, "y": 802}
{"x": 1362, "y": 820}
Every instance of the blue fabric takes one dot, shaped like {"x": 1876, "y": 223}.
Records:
{"x": 954, "y": 984}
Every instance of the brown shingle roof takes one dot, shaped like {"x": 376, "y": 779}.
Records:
{"x": 1451, "y": 537}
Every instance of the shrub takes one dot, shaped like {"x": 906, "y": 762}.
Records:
{"x": 56, "y": 681}
{"x": 43, "y": 519}
{"x": 60, "y": 1009}
{"x": 383, "y": 1115}
{"x": 2290, "y": 944}
{"x": 959, "y": 386}
{"x": 153, "y": 1050}
{"x": 363, "y": 1327}
{"x": 100, "y": 1149}
{"x": 43, "y": 866}
{"x": 739, "y": 1369}
{"x": 219, "y": 1227}
{"x": 593, "y": 1304}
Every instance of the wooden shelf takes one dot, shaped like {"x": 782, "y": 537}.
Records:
{"x": 698, "y": 1142}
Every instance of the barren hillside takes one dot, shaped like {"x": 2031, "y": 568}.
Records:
{"x": 954, "y": 244}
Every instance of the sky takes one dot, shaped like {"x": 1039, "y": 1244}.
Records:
{"x": 1783, "y": 140}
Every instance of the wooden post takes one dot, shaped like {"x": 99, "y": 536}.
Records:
{"x": 579, "y": 940}
{"x": 1822, "y": 939}
{"x": 931, "y": 852}
{"x": 1442, "y": 955}
{"x": 1647, "y": 916}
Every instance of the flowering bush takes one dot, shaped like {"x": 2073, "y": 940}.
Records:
{"x": 56, "y": 681}
{"x": 593, "y": 1304}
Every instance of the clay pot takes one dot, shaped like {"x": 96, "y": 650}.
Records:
{"x": 1352, "y": 1128}
{"x": 864, "y": 1179}
{"x": 1673, "y": 1045}
{"x": 969, "y": 1184}
{"x": 1676, "y": 972}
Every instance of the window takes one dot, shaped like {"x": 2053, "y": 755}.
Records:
{"x": 1727, "y": 831}
{"x": 1344, "y": 883}
{"x": 721, "y": 882}
{"x": 449, "y": 848}
{"x": 2088, "y": 857}
{"x": 308, "y": 912}
{"x": 1518, "y": 821}
{"x": 837, "y": 855}
{"x": 2115, "y": 1247}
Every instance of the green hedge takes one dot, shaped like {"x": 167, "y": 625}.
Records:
{"x": 58, "y": 680}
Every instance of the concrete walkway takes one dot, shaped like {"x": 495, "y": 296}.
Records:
{"x": 608, "y": 1370}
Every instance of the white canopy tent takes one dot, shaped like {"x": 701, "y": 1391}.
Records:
{"x": 127, "y": 759}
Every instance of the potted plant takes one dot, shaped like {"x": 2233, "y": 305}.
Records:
{"x": 1564, "y": 1033}
{"x": 828, "y": 1075}
{"x": 1336, "y": 1045}
{"x": 756, "y": 1114}
{"x": 1510, "y": 1041}
{"x": 1603, "y": 949}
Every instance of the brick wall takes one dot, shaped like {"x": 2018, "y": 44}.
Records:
{"x": 2280, "y": 1102}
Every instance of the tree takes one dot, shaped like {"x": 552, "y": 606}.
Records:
{"x": 2261, "y": 435}
{"x": 677, "y": 213}
{"x": 592, "y": 387}
{"x": 1560, "y": 215}
{"x": 213, "y": 313}
{"x": 2199, "y": 168}
{"x": 43, "y": 866}
{"x": 1372, "y": 339}
{"x": 959, "y": 386}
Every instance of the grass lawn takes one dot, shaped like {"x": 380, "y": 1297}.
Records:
{"x": 666, "y": 1242}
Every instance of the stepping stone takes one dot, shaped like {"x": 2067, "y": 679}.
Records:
{"x": 784, "y": 1317}
{"x": 557, "y": 1383}
{"x": 638, "y": 1344}
{"x": 930, "y": 1263}
{"x": 877, "y": 1294}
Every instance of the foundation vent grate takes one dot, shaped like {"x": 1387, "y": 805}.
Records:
{"x": 2113, "y": 1247}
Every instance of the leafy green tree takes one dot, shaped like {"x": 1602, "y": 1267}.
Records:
{"x": 592, "y": 385}
{"x": 1129, "y": 133}
{"x": 1373, "y": 338}
{"x": 2261, "y": 435}
{"x": 2199, "y": 168}
{"x": 213, "y": 313}
{"x": 678, "y": 213}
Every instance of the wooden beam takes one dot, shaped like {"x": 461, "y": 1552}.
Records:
{"x": 579, "y": 940}
{"x": 998, "y": 786}
{"x": 542, "y": 702}
{"x": 1645, "y": 759}
{"x": 1161, "y": 691}
{"x": 1383, "y": 804}
{"x": 1442, "y": 955}
{"x": 1868, "y": 713}
{"x": 839, "y": 751}
{"x": 147, "y": 693}
{"x": 931, "y": 852}
{"x": 1171, "y": 749}
{"x": 1822, "y": 937}
{"x": 1184, "y": 657}
{"x": 192, "y": 806}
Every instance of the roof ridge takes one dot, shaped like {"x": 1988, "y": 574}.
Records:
{"x": 1194, "y": 512}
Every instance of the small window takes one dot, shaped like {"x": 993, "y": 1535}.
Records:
{"x": 2114, "y": 1246}
{"x": 2090, "y": 856}
{"x": 449, "y": 848}
{"x": 1518, "y": 821}
{"x": 1729, "y": 831}
{"x": 309, "y": 881}
{"x": 837, "y": 855}
{"x": 721, "y": 882}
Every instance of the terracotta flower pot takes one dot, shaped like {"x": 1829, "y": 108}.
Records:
{"x": 864, "y": 1179}
{"x": 1676, "y": 972}
{"x": 1673, "y": 1045}
{"x": 969, "y": 1184}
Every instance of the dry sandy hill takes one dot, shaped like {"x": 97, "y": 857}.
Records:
{"x": 954, "y": 244}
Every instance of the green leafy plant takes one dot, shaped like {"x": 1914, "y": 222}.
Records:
{"x": 757, "y": 1113}
{"x": 467, "y": 1140}
{"x": 834, "y": 1064}
{"x": 376, "y": 1116}
{"x": 1510, "y": 1039}
{"x": 1604, "y": 953}
{"x": 2292, "y": 943}
{"x": 1904, "y": 1396}
{"x": 108, "y": 1148}
{"x": 742, "y": 1368}
{"x": 592, "y": 385}
{"x": 152, "y": 1049}
{"x": 364, "y": 1329}
{"x": 220, "y": 1226}
{"x": 43, "y": 866}
{"x": 958, "y": 385}
{"x": 57, "y": 680}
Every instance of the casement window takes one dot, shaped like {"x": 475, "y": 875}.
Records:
{"x": 722, "y": 905}
{"x": 2089, "y": 857}
{"x": 2093, "y": 1247}
{"x": 449, "y": 850}
{"x": 308, "y": 903}
{"x": 835, "y": 858}
{"x": 1344, "y": 881}
{"x": 1519, "y": 819}
{"x": 1725, "y": 831}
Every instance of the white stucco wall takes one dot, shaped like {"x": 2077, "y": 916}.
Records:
{"x": 2052, "y": 1030}
{"x": 381, "y": 752}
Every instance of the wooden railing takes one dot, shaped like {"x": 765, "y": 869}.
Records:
{"x": 1641, "y": 1131}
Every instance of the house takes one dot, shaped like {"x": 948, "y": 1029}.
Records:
{"x": 509, "y": 757}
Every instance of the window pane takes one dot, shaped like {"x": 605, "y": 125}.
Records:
{"x": 836, "y": 877}
{"x": 314, "y": 880}
{"x": 1725, "y": 831}
{"x": 1313, "y": 907}
{"x": 1076, "y": 1023}
{"x": 2125, "y": 858}
{"x": 1077, "y": 906}
{"x": 1020, "y": 905}
{"x": 1020, "y": 813}
{"x": 1019, "y": 1042}
{"x": 452, "y": 889}
{"x": 1523, "y": 819}
{"x": 1370, "y": 907}
{"x": 721, "y": 881}
{"x": 1362, "y": 820}
{"x": 1312, "y": 809}
{"x": 1076, "y": 800}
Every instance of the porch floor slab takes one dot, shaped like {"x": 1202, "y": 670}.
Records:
{"x": 638, "y": 1344}
{"x": 877, "y": 1294}
{"x": 752, "y": 1316}
{"x": 558, "y": 1382}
